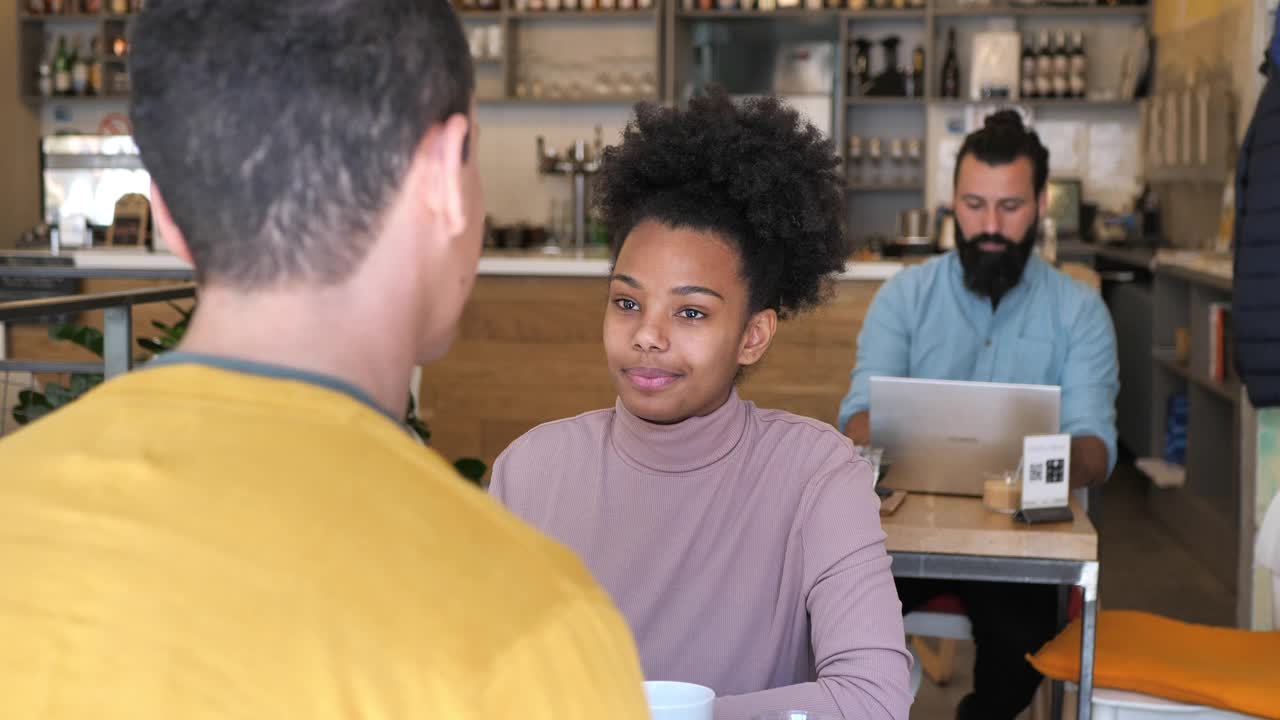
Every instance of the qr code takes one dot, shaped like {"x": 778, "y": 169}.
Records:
{"x": 1037, "y": 473}
{"x": 1057, "y": 471}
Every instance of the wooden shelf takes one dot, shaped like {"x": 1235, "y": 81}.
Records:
{"x": 884, "y": 14}
{"x": 1119, "y": 11}
{"x": 906, "y": 187}
{"x": 75, "y": 17}
{"x": 569, "y": 101}
{"x": 885, "y": 101}
{"x": 645, "y": 13}
{"x": 785, "y": 13}
{"x": 1044, "y": 103}
{"x": 74, "y": 99}
{"x": 1228, "y": 390}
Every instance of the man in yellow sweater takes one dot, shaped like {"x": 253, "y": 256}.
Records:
{"x": 243, "y": 529}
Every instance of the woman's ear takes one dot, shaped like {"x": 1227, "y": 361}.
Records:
{"x": 757, "y": 337}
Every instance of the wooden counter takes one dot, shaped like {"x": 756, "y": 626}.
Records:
{"x": 530, "y": 350}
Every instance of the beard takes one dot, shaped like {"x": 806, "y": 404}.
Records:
{"x": 993, "y": 274}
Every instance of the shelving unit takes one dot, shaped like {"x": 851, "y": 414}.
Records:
{"x": 1206, "y": 514}
{"x": 496, "y": 77}
{"x": 1092, "y": 11}
{"x": 873, "y": 209}
{"x": 893, "y": 187}
{"x": 36, "y": 31}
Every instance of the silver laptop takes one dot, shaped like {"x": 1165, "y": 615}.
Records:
{"x": 942, "y": 436}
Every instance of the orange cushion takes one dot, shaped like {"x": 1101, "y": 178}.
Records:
{"x": 1217, "y": 667}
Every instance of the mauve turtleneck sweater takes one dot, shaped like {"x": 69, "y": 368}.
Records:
{"x": 744, "y": 548}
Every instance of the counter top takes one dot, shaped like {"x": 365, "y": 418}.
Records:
{"x": 131, "y": 263}
{"x": 539, "y": 265}
{"x": 1206, "y": 268}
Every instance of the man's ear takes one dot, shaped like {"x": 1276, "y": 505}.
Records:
{"x": 437, "y": 173}
{"x": 163, "y": 220}
{"x": 758, "y": 336}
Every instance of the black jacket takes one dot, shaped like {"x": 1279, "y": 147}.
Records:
{"x": 1255, "y": 311}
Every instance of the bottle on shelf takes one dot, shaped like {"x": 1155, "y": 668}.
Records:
{"x": 951, "y": 68}
{"x": 79, "y": 69}
{"x": 95, "y": 67}
{"x": 1029, "y": 89}
{"x": 1079, "y": 67}
{"x": 35, "y": 7}
{"x": 44, "y": 77}
{"x": 62, "y": 68}
{"x": 55, "y": 7}
{"x": 860, "y": 73}
{"x": 119, "y": 7}
{"x": 1044, "y": 66}
{"x": 892, "y": 81}
{"x": 917, "y": 72}
{"x": 91, "y": 7}
{"x": 1061, "y": 66}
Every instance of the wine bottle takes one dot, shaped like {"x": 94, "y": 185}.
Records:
{"x": 917, "y": 71}
{"x": 1044, "y": 66}
{"x": 1079, "y": 67}
{"x": 62, "y": 68}
{"x": 79, "y": 70}
{"x": 1061, "y": 66}
{"x": 1028, "y": 70}
{"x": 951, "y": 68}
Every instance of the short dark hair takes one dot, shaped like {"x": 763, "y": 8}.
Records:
{"x": 279, "y": 132}
{"x": 753, "y": 173}
{"x": 1003, "y": 139}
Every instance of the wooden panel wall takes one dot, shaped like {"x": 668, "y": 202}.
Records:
{"x": 530, "y": 350}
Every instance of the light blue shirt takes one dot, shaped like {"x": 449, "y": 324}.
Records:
{"x": 1049, "y": 330}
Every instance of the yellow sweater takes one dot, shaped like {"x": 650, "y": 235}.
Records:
{"x": 189, "y": 542}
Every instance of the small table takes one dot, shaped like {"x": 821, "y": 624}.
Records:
{"x": 956, "y": 538}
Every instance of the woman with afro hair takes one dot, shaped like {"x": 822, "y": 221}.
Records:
{"x": 743, "y": 545}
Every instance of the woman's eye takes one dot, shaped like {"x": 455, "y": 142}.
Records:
{"x": 626, "y": 304}
{"x": 691, "y": 314}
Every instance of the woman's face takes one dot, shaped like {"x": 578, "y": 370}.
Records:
{"x": 677, "y": 328}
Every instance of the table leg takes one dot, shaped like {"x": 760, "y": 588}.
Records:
{"x": 1057, "y": 687}
{"x": 1088, "y": 640}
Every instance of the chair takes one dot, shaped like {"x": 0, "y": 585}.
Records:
{"x": 1111, "y": 704}
{"x": 943, "y": 618}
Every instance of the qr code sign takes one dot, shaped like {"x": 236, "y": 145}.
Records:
{"x": 1037, "y": 472}
{"x": 1057, "y": 470}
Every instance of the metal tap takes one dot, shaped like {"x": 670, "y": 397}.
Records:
{"x": 576, "y": 162}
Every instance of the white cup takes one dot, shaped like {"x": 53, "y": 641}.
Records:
{"x": 679, "y": 701}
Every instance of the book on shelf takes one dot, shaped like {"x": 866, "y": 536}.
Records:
{"x": 1220, "y": 359}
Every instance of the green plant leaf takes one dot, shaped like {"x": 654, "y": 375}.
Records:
{"x": 86, "y": 337}
{"x": 33, "y": 398}
{"x": 151, "y": 345}
{"x": 58, "y": 395}
{"x": 471, "y": 469}
{"x": 32, "y": 405}
{"x": 82, "y": 383}
{"x": 186, "y": 313}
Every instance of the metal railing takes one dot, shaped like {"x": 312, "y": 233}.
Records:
{"x": 117, "y": 336}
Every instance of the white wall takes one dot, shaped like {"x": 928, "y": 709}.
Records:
{"x": 514, "y": 192}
